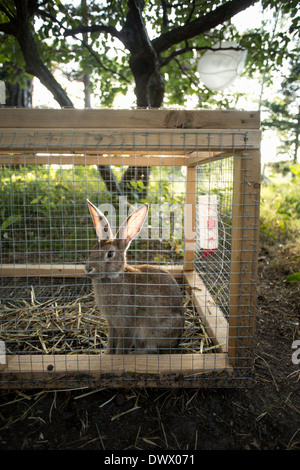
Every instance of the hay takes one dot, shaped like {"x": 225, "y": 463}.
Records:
{"x": 58, "y": 320}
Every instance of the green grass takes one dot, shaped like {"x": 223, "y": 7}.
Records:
{"x": 280, "y": 208}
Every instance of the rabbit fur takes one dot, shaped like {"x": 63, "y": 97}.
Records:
{"x": 143, "y": 304}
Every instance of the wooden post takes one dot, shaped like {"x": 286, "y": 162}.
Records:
{"x": 244, "y": 251}
{"x": 190, "y": 219}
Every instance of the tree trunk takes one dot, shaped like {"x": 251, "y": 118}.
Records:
{"x": 137, "y": 191}
{"x": 133, "y": 192}
{"x": 144, "y": 62}
{"x": 109, "y": 179}
{"x": 149, "y": 82}
{"x": 34, "y": 65}
{"x": 18, "y": 97}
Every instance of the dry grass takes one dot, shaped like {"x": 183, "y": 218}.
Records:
{"x": 65, "y": 323}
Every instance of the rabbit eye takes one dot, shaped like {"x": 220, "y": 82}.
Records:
{"x": 110, "y": 254}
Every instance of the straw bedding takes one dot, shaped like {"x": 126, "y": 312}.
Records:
{"x": 59, "y": 316}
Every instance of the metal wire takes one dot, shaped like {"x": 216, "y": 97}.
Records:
{"x": 47, "y": 304}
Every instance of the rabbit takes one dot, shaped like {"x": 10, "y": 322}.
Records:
{"x": 143, "y": 304}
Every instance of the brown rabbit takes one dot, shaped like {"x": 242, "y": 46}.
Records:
{"x": 142, "y": 305}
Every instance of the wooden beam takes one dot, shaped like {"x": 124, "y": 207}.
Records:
{"x": 57, "y": 371}
{"x": 115, "y": 160}
{"x": 60, "y": 270}
{"x": 119, "y": 141}
{"x": 117, "y": 364}
{"x": 200, "y": 158}
{"x": 140, "y": 118}
{"x": 42, "y": 270}
{"x": 211, "y": 315}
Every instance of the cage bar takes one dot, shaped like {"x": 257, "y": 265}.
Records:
{"x": 51, "y": 332}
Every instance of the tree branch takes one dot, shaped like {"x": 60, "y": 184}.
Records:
{"x": 187, "y": 73}
{"x": 165, "y": 60}
{"x": 100, "y": 63}
{"x": 83, "y": 29}
{"x": 205, "y": 23}
{"x": 191, "y": 13}
{"x": 93, "y": 29}
{"x": 5, "y": 9}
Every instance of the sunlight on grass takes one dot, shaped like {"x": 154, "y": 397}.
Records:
{"x": 280, "y": 208}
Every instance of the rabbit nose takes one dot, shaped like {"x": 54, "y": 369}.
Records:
{"x": 89, "y": 270}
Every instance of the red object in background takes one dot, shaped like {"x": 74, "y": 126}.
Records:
{"x": 207, "y": 252}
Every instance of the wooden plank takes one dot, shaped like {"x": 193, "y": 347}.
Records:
{"x": 58, "y": 371}
{"x": 190, "y": 219}
{"x": 193, "y": 159}
{"x": 140, "y": 118}
{"x": 60, "y": 270}
{"x": 118, "y": 141}
{"x": 244, "y": 253}
{"x": 124, "y": 160}
{"x": 42, "y": 270}
{"x": 65, "y": 371}
{"x": 211, "y": 315}
{"x": 200, "y": 158}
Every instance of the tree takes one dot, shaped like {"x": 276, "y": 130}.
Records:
{"x": 146, "y": 41}
{"x": 284, "y": 113}
{"x": 18, "y": 23}
{"x": 153, "y": 43}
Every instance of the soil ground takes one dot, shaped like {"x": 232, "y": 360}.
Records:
{"x": 265, "y": 417}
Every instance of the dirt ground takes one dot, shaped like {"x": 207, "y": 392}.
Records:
{"x": 265, "y": 417}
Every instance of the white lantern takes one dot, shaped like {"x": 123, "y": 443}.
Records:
{"x": 218, "y": 69}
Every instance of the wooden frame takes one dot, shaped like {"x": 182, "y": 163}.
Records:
{"x": 181, "y": 138}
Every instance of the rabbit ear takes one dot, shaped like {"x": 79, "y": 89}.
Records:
{"x": 132, "y": 226}
{"x": 101, "y": 223}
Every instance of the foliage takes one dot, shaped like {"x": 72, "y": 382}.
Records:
{"x": 280, "y": 207}
{"x": 284, "y": 114}
{"x": 106, "y": 39}
{"x": 295, "y": 277}
{"x": 42, "y": 207}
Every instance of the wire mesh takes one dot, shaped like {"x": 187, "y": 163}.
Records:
{"x": 212, "y": 259}
{"x": 101, "y": 327}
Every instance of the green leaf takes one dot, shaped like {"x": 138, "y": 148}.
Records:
{"x": 284, "y": 212}
{"x": 295, "y": 277}
{"x": 11, "y": 220}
